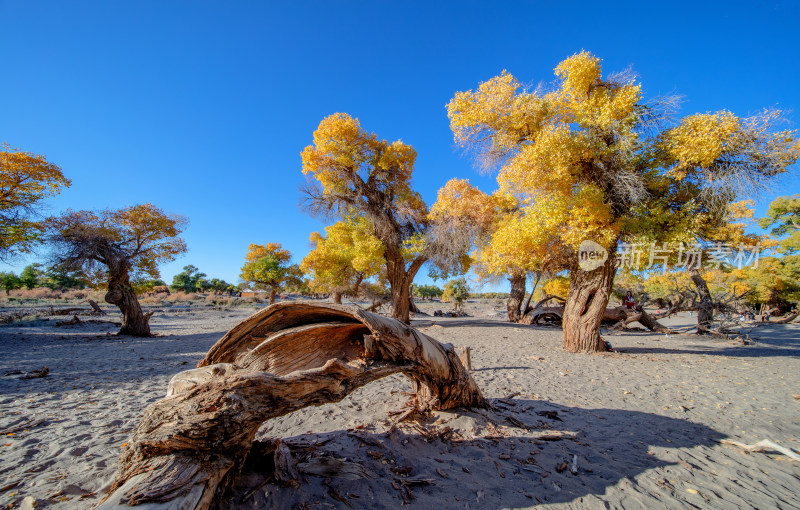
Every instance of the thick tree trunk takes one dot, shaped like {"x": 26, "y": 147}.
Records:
{"x": 337, "y": 297}
{"x": 357, "y": 285}
{"x": 588, "y": 296}
{"x": 705, "y": 308}
{"x": 189, "y": 446}
{"x": 273, "y": 291}
{"x": 400, "y": 281}
{"x": 121, "y": 294}
{"x": 515, "y": 297}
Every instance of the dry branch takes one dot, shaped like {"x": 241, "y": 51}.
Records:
{"x": 189, "y": 446}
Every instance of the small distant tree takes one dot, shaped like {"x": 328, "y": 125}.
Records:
{"x": 427, "y": 291}
{"x": 456, "y": 292}
{"x": 783, "y": 220}
{"x": 217, "y": 285}
{"x": 31, "y": 275}
{"x": 25, "y": 179}
{"x": 126, "y": 244}
{"x": 187, "y": 279}
{"x": 9, "y": 281}
{"x": 268, "y": 266}
{"x": 59, "y": 278}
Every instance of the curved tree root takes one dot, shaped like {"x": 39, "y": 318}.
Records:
{"x": 189, "y": 446}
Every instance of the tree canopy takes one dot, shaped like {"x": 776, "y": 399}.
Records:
{"x": 123, "y": 244}
{"x": 357, "y": 174}
{"x": 344, "y": 258}
{"x": 606, "y": 166}
{"x": 269, "y": 266}
{"x": 25, "y": 180}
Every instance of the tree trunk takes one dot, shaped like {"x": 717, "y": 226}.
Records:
{"x": 515, "y": 297}
{"x": 337, "y": 297}
{"x": 190, "y": 446}
{"x": 400, "y": 281}
{"x": 273, "y": 291}
{"x": 121, "y": 294}
{"x": 357, "y": 285}
{"x": 589, "y": 292}
{"x": 705, "y": 309}
{"x": 527, "y": 308}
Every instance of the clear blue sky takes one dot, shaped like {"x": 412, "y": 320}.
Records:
{"x": 202, "y": 108}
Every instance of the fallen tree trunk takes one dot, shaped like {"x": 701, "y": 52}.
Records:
{"x": 618, "y": 317}
{"x": 784, "y": 320}
{"x": 189, "y": 446}
{"x": 643, "y": 318}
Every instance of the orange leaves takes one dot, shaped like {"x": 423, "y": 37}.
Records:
{"x": 25, "y": 179}
{"x": 268, "y": 264}
{"x": 460, "y": 201}
{"x": 274, "y": 250}
{"x": 344, "y": 155}
{"x": 143, "y": 235}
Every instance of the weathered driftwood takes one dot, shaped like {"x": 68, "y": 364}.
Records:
{"x": 189, "y": 446}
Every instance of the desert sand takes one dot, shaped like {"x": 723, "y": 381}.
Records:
{"x": 637, "y": 428}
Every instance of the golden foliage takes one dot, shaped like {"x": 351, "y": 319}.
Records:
{"x": 587, "y": 161}
{"x": 25, "y": 179}
{"x": 268, "y": 265}
{"x": 141, "y": 236}
{"x": 348, "y": 254}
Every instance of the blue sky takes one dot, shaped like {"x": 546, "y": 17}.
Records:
{"x": 202, "y": 108}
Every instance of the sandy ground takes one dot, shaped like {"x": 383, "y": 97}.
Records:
{"x": 644, "y": 423}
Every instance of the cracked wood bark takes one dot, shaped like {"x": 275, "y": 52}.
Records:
{"x": 515, "y": 297}
{"x": 588, "y": 296}
{"x": 705, "y": 308}
{"x": 189, "y": 446}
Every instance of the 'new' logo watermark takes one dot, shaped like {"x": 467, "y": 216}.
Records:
{"x": 591, "y": 255}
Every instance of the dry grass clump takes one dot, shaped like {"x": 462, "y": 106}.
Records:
{"x": 152, "y": 300}
{"x": 181, "y": 297}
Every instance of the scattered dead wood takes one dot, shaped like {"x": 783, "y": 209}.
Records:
{"x": 96, "y": 308}
{"x": 451, "y": 313}
{"x": 762, "y": 446}
{"x": 72, "y": 322}
{"x": 34, "y": 374}
{"x": 640, "y": 316}
{"x": 189, "y": 446}
{"x": 785, "y": 320}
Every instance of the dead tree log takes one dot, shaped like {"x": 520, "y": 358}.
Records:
{"x": 189, "y": 446}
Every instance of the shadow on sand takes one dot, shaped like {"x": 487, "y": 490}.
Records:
{"x": 429, "y": 470}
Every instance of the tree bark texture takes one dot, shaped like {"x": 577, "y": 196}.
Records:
{"x": 705, "y": 308}
{"x": 515, "y": 297}
{"x": 189, "y": 446}
{"x": 120, "y": 293}
{"x": 589, "y": 292}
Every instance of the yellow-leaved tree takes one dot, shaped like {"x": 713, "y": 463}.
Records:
{"x": 510, "y": 240}
{"x": 357, "y": 174}
{"x": 25, "y": 179}
{"x": 608, "y": 167}
{"x": 118, "y": 245}
{"x": 269, "y": 266}
{"x": 343, "y": 258}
